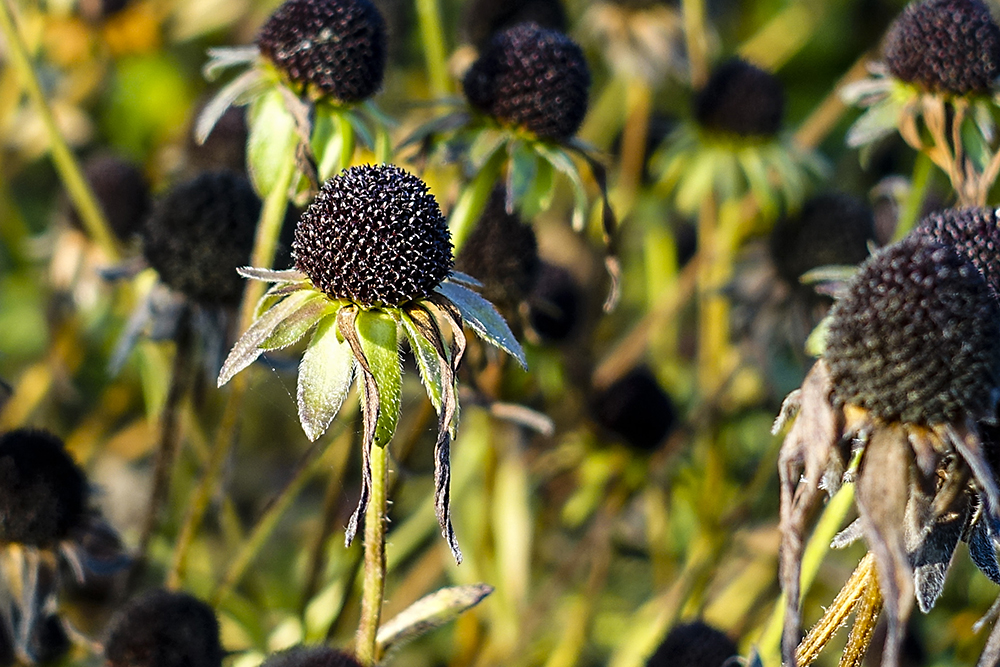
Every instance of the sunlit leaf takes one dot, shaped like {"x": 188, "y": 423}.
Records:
{"x": 300, "y": 322}
{"x": 272, "y": 139}
{"x": 484, "y": 319}
{"x": 270, "y": 275}
{"x": 377, "y": 334}
{"x": 325, "y": 376}
{"x": 429, "y": 612}
{"x": 428, "y": 361}
{"x": 234, "y": 91}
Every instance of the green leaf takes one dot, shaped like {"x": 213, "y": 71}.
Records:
{"x": 428, "y": 361}
{"x": 878, "y": 121}
{"x": 472, "y": 201}
{"x": 325, "y": 376}
{"x": 539, "y": 197}
{"x": 484, "y": 319}
{"x": 429, "y": 612}
{"x": 300, "y": 322}
{"x": 485, "y": 145}
{"x": 695, "y": 184}
{"x": 272, "y": 139}
{"x": 378, "y": 338}
{"x": 247, "y": 348}
{"x": 522, "y": 171}
{"x": 564, "y": 163}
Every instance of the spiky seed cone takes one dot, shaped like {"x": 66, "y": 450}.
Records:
{"x": 374, "y": 235}
{"x": 311, "y": 656}
{"x": 502, "y": 253}
{"x": 832, "y": 228}
{"x": 338, "y": 46}
{"x": 915, "y": 337}
{"x": 950, "y": 46}
{"x": 164, "y": 629}
{"x": 636, "y": 409}
{"x": 741, "y": 99}
{"x": 122, "y": 191}
{"x": 481, "y": 19}
{"x": 200, "y": 232}
{"x": 554, "y": 304}
{"x": 43, "y": 494}
{"x": 694, "y": 644}
{"x": 973, "y": 232}
{"x": 533, "y": 78}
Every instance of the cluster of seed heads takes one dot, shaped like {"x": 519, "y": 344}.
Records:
{"x": 200, "y": 232}
{"x": 374, "y": 235}
{"x": 914, "y": 337}
{"x": 338, "y": 46}
{"x": 741, "y": 99}
{"x": 164, "y": 629}
{"x": 950, "y": 46}
{"x": 973, "y": 232}
{"x": 532, "y": 78}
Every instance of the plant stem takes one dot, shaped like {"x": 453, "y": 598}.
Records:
{"x": 472, "y": 201}
{"x": 432, "y": 37}
{"x": 697, "y": 41}
{"x": 271, "y": 218}
{"x": 66, "y": 164}
{"x": 922, "y": 170}
{"x": 373, "y": 588}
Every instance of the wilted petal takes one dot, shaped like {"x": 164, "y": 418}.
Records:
{"x": 271, "y": 275}
{"x": 429, "y": 359}
{"x": 225, "y": 98}
{"x": 325, "y": 376}
{"x": 300, "y": 322}
{"x": 429, "y": 612}
{"x": 848, "y": 536}
{"x": 932, "y": 561}
{"x": 484, "y": 319}
{"x": 981, "y": 548}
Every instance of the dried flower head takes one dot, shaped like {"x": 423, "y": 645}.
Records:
{"x": 338, "y": 46}
{"x": 533, "y": 78}
{"x": 975, "y": 233}
{"x": 914, "y": 339}
{"x": 200, "y": 232}
{"x": 311, "y": 656}
{"x": 831, "y": 229}
{"x": 950, "y": 46}
{"x": 741, "y": 99}
{"x": 164, "y": 629}
{"x": 481, "y": 19}
{"x": 555, "y": 304}
{"x": 122, "y": 191}
{"x": 694, "y": 644}
{"x": 374, "y": 236}
{"x": 43, "y": 493}
{"x": 636, "y": 408}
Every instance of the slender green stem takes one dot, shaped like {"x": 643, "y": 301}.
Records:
{"x": 373, "y": 588}
{"x": 472, "y": 201}
{"x": 271, "y": 218}
{"x": 922, "y": 170}
{"x": 432, "y": 37}
{"x": 697, "y": 41}
{"x": 66, "y": 164}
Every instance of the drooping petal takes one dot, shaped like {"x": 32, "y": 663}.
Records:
{"x": 933, "y": 559}
{"x": 325, "y": 376}
{"x": 428, "y": 359}
{"x": 247, "y": 348}
{"x": 982, "y": 550}
{"x": 346, "y": 324}
{"x": 233, "y": 91}
{"x": 966, "y": 441}
{"x": 300, "y": 322}
{"x": 484, "y": 319}
{"x": 271, "y": 275}
{"x": 378, "y": 337}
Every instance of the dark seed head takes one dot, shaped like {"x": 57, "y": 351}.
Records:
{"x": 200, "y": 232}
{"x": 338, "y": 46}
{"x": 163, "y": 629}
{"x": 950, "y": 46}
{"x": 636, "y": 409}
{"x": 482, "y": 18}
{"x": 43, "y": 494}
{"x": 832, "y": 228}
{"x": 741, "y": 99}
{"x": 914, "y": 338}
{"x": 311, "y": 656}
{"x": 533, "y": 78}
{"x": 121, "y": 190}
{"x": 693, "y": 645}
{"x": 502, "y": 253}
{"x": 374, "y": 235}
{"x": 974, "y": 233}
{"x": 554, "y": 304}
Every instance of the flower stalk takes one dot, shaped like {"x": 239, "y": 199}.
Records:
{"x": 373, "y": 588}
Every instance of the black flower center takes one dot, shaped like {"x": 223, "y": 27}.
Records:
{"x": 974, "y": 233}
{"x": 741, "y": 99}
{"x": 163, "y": 629}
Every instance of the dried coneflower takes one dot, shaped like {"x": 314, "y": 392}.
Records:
{"x": 741, "y": 99}
{"x": 311, "y": 656}
{"x": 121, "y": 189}
{"x": 164, "y": 629}
{"x": 911, "y": 368}
{"x": 636, "y": 409}
{"x": 695, "y": 644}
{"x": 973, "y": 232}
{"x": 555, "y": 305}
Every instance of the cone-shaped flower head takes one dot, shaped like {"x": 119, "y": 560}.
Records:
{"x": 914, "y": 339}
{"x": 694, "y": 645}
{"x": 164, "y": 629}
{"x": 533, "y": 78}
{"x": 122, "y": 191}
{"x": 482, "y": 18}
{"x": 338, "y": 46}
{"x": 311, "y": 656}
{"x": 43, "y": 494}
{"x": 502, "y": 253}
{"x": 555, "y": 304}
{"x": 374, "y": 235}
{"x": 973, "y": 232}
{"x": 950, "y": 46}
{"x": 637, "y": 409}
{"x": 200, "y": 233}
{"x": 832, "y": 229}
{"x": 741, "y": 99}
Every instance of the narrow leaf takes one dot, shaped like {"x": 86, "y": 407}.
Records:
{"x": 429, "y": 612}
{"x": 428, "y": 361}
{"x": 224, "y": 99}
{"x": 272, "y": 138}
{"x": 222, "y": 58}
{"x": 484, "y": 319}
{"x": 377, "y": 333}
{"x": 325, "y": 375}
{"x": 270, "y": 275}
{"x": 299, "y": 323}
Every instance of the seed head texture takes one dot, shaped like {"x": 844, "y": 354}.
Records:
{"x": 741, "y": 99}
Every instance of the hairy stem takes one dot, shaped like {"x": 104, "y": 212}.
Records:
{"x": 373, "y": 588}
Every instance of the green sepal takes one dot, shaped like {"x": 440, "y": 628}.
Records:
{"x": 428, "y": 361}
{"x": 695, "y": 184}
{"x": 485, "y": 144}
{"x": 539, "y": 197}
{"x": 563, "y": 163}
{"x": 378, "y": 338}
{"x": 878, "y": 121}
{"x": 276, "y": 294}
{"x": 300, "y": 322}
{"x": 325, "y": 375}
{"x": 522, "y": 170}
{"x": 272, "y": 139}
{"x": 472, "y": 201}
{"x": 429, "y": 612}
{"x": 484, "y": 319}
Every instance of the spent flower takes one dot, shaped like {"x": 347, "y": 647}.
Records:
{"x": 164, "y": 629}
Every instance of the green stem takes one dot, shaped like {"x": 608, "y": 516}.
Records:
{"x": 922, "y": 170}
{"x": 271, "y": 218}
{"x": 347, "y": 138}
{"x": 697, "y": 41}
{"x": 66, "y": 164}
{"x": 432, "y": 37}
{"x": 472, "y": 201}
{"x": 373, "y": 588}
